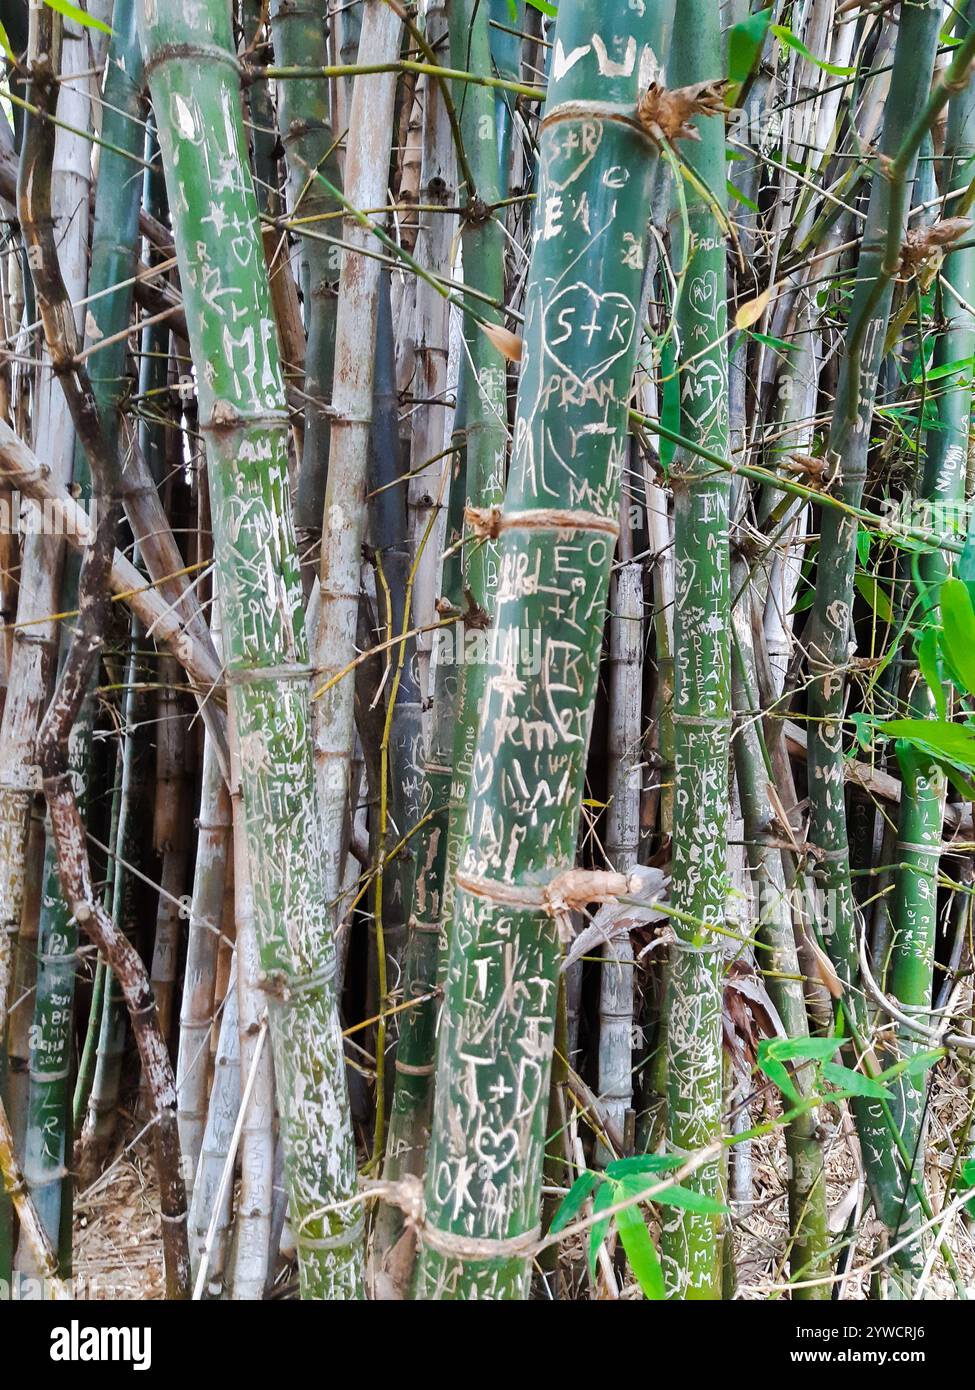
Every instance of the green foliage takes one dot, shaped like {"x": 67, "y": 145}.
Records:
{"x": 543, "y": 5}
{"x": 629, "y": 1179}
{"x": 65, "y": 7}
{"x": 966, "y": 1181}
{"x": 789, "y": 39}
{"x": 745, "y": 42}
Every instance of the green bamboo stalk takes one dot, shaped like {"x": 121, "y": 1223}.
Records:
{"x": 557, "y": 537}
{"x": 195, "y": 90}
{"x": 910, "y": 109}
{"x": 469, "y": 576}
{"x": 113, "y": 262}
{"x": 913, "y": 911}
{"x": 300, "y": 33}
{"x": 806, "y": 1179}
{"x": 701, "y": 674}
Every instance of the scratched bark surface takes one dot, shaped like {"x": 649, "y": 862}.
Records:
{"x": 556, "y": 547}
{"x": 829, "y": 634}
{"x": 195, "y": 89}
{"x": 702, "y": 673}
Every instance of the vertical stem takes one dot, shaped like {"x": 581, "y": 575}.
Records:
{"x": 701, "y": 675}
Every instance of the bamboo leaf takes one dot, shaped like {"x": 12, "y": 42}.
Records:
{"x": 752, "y": 311}
{"x": 5, "y": 45}
{"x": 927, "y": 660}
{"x": 65, "y": 7}
{"x": 605, "y": 1197}
{"x": 958, "y": 629}
{"x": 572, "y": 1201}
{"x": 788, "y": 1049}
{"x": 745, "y": 42}
{"x": 641, "y": 1253}
{"x": 790, "y": 40}
{"x": 912, "y": 1066}
{"x": 853, "y": 1082}
{"x": 684, "y": 1197}
{"x": 876, "y": 596}
{"x": 939, "y": 736}
{"x": 966, "y": 1180}
{"x": 778, "y": 1072}
{"x": 643, "y": 1163}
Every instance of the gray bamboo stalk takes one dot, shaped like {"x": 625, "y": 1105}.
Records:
{"x": 200, "y": 972}
{"x": 366, "y": 163}
{"x": 35, "y": 639}
{"x": 622, "y": 832}
{"x": 430, "y": 381}
{"x": 221, "y": 1116}
{"x": 251, "y": 1254}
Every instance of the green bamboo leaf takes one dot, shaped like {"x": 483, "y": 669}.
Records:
{"x": 966, "y": 565}
{"x": 686, "y": 1198}
{"x": 643, "y": 1163}
{"x": 778, "y": 343}
{"x": 674, "y": 1195}
{"x": 958, "y": 629}
{"x": 743, "y": 198}
{"x": 927, "y": 660}
{"x": 966, "y": 1180}
{"x": 70, "y": 11}
{"x": 876, "y": 596}
{"x": 854, "y": 1082}
{"x": 788, "y": 1049}
{"x": 5, "y": 45}
{"x": 778, "y": 1072}
{"x": 641, "y": 1253}
{"x": 790, "y": 40}
{"x": 573, "y": 1199}
{"x": 963, "y": 364}
{"x": 605, "y": 1197}
{"x": 912, "y": 1066}
{"x": 939, "y": 736}
{"x": 745, "y": 42}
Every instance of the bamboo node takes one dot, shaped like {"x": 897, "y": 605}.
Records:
{"x": 924, "y": 243}
{"x": 485, "y": 522}
{"x": 666, "y": 115}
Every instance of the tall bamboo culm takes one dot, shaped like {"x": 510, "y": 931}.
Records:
{"x": 828, "y": 634}
{"x": 702, "y": 713}
{"x": 557, "y": 537}
{"x": 195, "y": 88}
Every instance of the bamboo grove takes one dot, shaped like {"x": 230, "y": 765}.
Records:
{"x": 487, "y": 670}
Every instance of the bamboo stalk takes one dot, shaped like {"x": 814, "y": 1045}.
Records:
{"x": 616, "y": 983}
{"x": 909, "y": 112}
{"x": 301, "y": 35}
{"x": 193, "y": 81}
{"x": 366, "y": 160}
{"x": 199, "y": 975}
{"x": 689, "y": 1251}
{"x": 557, "y": 536}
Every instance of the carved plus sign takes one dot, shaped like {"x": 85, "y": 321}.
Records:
{"x": 591, "y": 328}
